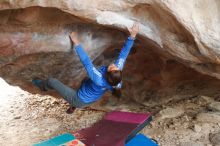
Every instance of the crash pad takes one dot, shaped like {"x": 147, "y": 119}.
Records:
{"x": 115, "y": 129}
{"x": 66, "y": 139}
{"x": 141, "y": 140}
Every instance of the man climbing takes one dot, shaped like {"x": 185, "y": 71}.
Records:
{"x": 99, "y": 80}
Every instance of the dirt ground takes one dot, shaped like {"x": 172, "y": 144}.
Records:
{"x": 30, "y": 118}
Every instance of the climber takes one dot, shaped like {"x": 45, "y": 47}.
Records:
{"x": 99, "y": 80}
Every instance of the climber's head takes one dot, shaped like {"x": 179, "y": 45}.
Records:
{"x": 113, "y": 75}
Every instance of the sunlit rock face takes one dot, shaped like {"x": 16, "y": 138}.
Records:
{"x": 178, "y": 41}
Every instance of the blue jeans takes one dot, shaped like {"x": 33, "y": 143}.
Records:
{"x": 69, "y": 94}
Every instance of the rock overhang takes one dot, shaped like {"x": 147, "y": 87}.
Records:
{"x": 40, "y": 30}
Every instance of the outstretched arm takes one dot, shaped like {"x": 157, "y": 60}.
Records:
{"x": 119, "y": 62}
{"x": 92, "y": 72}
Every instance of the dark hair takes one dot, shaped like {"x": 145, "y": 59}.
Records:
{"x": 114, "y": 78}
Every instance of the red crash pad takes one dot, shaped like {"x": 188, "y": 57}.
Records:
{"x": 115, "y": 129}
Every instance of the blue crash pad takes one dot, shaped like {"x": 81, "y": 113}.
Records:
{"x": 141, "y": 140}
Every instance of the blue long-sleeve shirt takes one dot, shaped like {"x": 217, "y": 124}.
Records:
{"x": 96, "y": 85}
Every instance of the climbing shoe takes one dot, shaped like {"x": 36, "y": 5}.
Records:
{"x": 70, "y": 110}
{"x": 40, "y": 83}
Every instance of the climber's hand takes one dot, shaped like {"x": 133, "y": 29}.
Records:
{"x": 74, "y": 38}
{"x": 134, "y": 29}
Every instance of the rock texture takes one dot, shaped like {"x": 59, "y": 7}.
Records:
{"x": 173, "y": 34}
{"x": 187, "y": 30}
{"x": 215, "y": 139}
